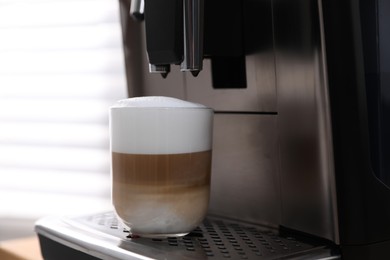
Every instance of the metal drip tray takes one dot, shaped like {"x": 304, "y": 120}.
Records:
{"x": 103, "y": 236}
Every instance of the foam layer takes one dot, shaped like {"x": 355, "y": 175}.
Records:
{"x": 160, "y": 125}
{"x": 156, "y": 102}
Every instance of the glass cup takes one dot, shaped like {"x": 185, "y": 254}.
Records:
{"x": 161, "y": 164}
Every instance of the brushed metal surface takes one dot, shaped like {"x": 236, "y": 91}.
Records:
{"x": 132, "y": 43}
{"x": 102, "y": 236}
{"x": 244, "y": 182}
{"x": 285, "y": 71}
{"x": 259, "y": 96}
{"x": 306, "y": 160}
{"x": 244, "y": 155}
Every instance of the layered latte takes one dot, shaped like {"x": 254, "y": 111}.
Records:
{"x": 161, "y": 163}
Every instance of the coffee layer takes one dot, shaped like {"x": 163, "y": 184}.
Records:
{"x": 188, "y": 169}
{"x": 161, "y": 194}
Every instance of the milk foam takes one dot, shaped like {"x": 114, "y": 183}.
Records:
{"x": 160, "y": 125}
{"x": 156, "y": 102}
{"x": 153, "y": 213}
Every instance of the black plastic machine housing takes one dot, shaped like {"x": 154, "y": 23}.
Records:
{"x": 358, "y": 57}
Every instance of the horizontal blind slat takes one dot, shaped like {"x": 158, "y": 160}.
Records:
{"x": 107, "y": 86}
{"x": 54, "y": 134}
{"x": 61, "y": 67}
{"x": 57, "y": 13}
{"x": 64, "y": 38}
{"x": 39, "y": 204}
{"x": 60, "y": 181}
{"x": 47, "y": 62}
{"x": 55, "y": 158}
{"x": 52, "y": 110}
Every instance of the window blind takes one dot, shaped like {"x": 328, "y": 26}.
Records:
{"x": 61, "y": 67}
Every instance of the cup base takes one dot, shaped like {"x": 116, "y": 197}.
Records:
{"x": 160, "y": 236}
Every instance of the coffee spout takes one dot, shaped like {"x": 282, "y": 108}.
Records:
{"x": 164, "y": 33}
{"x": 137, "y": 9}
{"x": 193, "y": 36}
{"x": 162, "y": 69}
{"x": 174, "y": 34}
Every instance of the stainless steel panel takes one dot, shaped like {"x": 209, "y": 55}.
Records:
{"x": 259, "y": 96}
{"x": 102, "y": 235}
{"x": 288, "y": 78}
{"x": 245, "y": 184}
{"x": 306, "y": 160}
{"x": 244, "y": 152}
{"x": 131, "y": 35}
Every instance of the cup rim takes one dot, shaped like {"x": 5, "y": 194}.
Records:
{"x": 162, "y": 108}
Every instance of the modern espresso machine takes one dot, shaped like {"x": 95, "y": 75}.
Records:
{"x": 301, "y": 93}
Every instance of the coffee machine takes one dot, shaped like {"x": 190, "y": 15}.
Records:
{"x": 300, "y": 93}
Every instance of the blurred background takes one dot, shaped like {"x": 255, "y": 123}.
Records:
{"x": 61, "y": 67}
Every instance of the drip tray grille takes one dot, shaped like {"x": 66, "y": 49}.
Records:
{"x": 221, "y": 240}
{"x": 214, "y": 239}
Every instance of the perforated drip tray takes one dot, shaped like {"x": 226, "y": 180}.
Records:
{"x": 102, "y": 236}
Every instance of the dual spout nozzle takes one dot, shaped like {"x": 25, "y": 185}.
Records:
{"x": 174, "y": 33}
